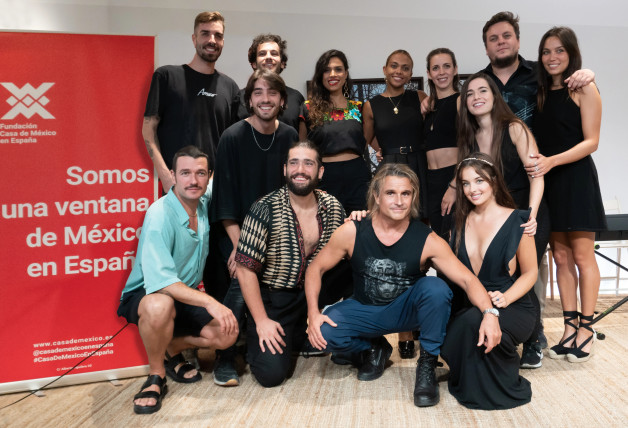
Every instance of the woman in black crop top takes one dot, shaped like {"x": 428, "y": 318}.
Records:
{"x": 333, "y": 122}
{"x": 567, "y": 124}
{"x": 439, "y": 137}
{"x": 393, "y": 126}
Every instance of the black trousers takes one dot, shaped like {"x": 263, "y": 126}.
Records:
{"x": 288, "y": 307}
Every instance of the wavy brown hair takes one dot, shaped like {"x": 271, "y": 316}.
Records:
{"x": 393, "y": 170}
{"x": 320, "y": 101}
{"x": 486, "y": 168}
{"x": 501, "y": 118}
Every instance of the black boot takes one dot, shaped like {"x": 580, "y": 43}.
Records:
{"x": 374, "y": 359}
{"x": 426, "y": 387}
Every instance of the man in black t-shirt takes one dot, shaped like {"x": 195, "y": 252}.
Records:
{"x": 249, "y": 165}
{"x": 388, "y": 253}
{"x": 269, "y": 51}
{"x": 190, "y": 104}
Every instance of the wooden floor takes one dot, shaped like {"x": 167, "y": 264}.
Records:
{"x": 321, "y": 394}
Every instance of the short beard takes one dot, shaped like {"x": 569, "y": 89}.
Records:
{"x": 505, "y": 62}
{"x": 302, "y": 191}
{"x": 211, "y": 58}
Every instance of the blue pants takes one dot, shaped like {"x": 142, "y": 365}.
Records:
{"x": 425, "y": 305}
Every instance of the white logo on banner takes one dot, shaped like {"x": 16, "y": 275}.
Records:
{"x": 27, "y": 100}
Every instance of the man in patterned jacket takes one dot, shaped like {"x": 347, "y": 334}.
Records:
{"x": 281, "y": 234}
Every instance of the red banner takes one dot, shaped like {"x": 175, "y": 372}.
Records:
{"x": 76, "y": 183}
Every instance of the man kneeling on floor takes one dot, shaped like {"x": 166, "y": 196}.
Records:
{"x": 389, "y": 252}
{"x": 281, "y": 234}
{"x": 161, "y": 294}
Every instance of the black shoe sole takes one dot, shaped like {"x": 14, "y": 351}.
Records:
{"x": 426, "y": 401}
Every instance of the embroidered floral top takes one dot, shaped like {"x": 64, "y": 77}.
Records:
{"x": 340, "y": 131}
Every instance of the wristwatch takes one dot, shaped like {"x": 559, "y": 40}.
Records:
{"x": 492, "y": 311}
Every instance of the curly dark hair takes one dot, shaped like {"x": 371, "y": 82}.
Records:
{"x": 269, "y": 38}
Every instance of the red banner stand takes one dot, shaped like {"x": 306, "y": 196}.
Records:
{"x": 76, "y": 183}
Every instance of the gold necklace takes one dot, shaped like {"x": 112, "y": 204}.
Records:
{"x": 395, "y": 109}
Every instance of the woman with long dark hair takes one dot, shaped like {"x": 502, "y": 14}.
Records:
{"x": 489, "y": 241}
{"x": 333, "y": 121}
{"x": 567, "y": 125}
{"x": 486, "y": 124}
{"x": 440, "y": 137}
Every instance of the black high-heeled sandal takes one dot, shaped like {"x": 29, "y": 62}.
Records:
{"x": 560, "y": 351}
{"x": 576, "y": 354}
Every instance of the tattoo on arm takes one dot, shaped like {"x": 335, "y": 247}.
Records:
{"x": 149, "y": 148}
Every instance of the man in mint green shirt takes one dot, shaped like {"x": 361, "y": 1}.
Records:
{"x": 161, "y": 294}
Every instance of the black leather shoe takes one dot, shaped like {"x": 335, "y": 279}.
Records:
{"x": 406, "y": 349}
{"x": 374, "y": 360}
{"x": 426, "y": 387}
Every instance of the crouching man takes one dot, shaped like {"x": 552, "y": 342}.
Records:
{"x": 160, "y": 295}
{"x": 388, "y": 252}
{"x": 281, "y": 234}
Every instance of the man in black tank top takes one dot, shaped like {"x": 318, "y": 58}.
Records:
{"x": 388, "y": 253}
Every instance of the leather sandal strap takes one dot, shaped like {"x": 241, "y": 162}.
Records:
{"x": 147, "y": 394}
{"x": 175, "y": 360}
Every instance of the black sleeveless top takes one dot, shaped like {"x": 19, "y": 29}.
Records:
{"x": 513, "y": 171}
{"x": 440, "y": 124}
{"x": 398, "y": 130}
{"x": 382, "y": 273}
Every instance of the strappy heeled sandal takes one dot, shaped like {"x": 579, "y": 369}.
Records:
{"x": 576, "y": 354}
{"x": 560, "y": 351}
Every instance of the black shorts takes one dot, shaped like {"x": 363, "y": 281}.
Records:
{"x": 188, "y": 321}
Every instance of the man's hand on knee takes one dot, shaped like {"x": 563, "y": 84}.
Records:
{"x": 315, "y": 321}
{"x": 224, "y": 317}
{"x": 270, "y": 333}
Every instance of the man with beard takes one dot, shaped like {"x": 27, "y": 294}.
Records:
{"x": 516, "y": 79}
{"x": 281, "y": 234}
{"x": 190, "y": 104}
{"x": 269, "y": 51}
{"x": 249, "y": 165}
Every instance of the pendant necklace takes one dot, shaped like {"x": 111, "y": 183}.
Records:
{"x": 395, "y": 109}
{"x": 255, "y": 139}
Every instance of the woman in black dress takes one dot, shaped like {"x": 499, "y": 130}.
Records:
{"x": 489, "y": 241}
{"x": 333, "y": 121}
{"x": 567, "y": 125}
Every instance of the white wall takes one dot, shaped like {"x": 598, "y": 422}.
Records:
{"x": 366, "y": 31}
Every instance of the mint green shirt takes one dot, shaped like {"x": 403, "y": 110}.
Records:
{"x": 168, "y": 250}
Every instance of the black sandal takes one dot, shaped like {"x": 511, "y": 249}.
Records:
{"x": 560, "y": 351}
{"x": 179, "y": 375}
{"x": 576, "y": 354}
{"x": 163, "y": 389}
